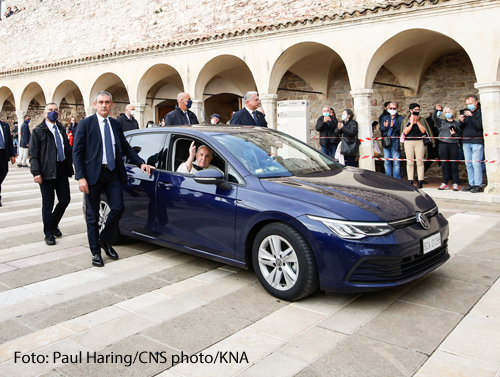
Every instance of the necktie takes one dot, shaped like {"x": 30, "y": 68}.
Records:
{"x": 187, "y": 115}
{"x": 108, "y": 143}
{"x": 255, "y": 117}
{"x": 2, "y": 141}
{"x": 60, "y": 151}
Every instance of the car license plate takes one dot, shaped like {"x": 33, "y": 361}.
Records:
{"x": 432, "y": 243}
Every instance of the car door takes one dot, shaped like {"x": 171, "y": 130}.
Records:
{"x": 140, "y": 215}
{"x": 198, "y": 216}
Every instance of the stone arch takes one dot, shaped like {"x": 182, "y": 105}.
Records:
{"x": 396, "y": 54}
{"x": 113, "y": 84}
{"x": 32, "y": 91}
{"x": 68, "y": 96}
{"x": 221, "y": 83}
{"x": 314, "y": 62}
{"x": 6, "y": 95}
{"x": 158, "y": 89}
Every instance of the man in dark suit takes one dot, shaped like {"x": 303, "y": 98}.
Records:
{"x": 6, "y": 153}
{"x": 24, "y": 142}
{"x": 181, "y": 115}
{"x": 127, "y": 119}
{"x": 51, "y": 165}
{"x": 98, "y": 151}
{"x": 249, "y": 116}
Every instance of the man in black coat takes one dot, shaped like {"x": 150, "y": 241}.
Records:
{"x": 7, "y": 153}
{"x": 51, "y": 166}
{"x": 127, "y": 119}
{"x": 24, "y": 141}
{"x": 326, "y": 125}
{"x": 98, "y": 151}
{"x": 181, "y": 115}
{"x": 249, "y": 116}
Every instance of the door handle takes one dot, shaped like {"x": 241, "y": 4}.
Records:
{"x": 165, "y": 185}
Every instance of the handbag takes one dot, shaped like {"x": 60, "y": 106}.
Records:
{"x": 349, "y": 147}
{"x": 387, "y": 140}
{"x": 426, "y": 139}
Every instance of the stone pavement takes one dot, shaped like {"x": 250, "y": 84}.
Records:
{"x": 158, "y": 304}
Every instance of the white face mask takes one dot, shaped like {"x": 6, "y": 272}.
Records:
{"x": 212, "y": 121}
{"x": 132, "y": 113}
{"x": 392, "y": 112}
{"x": 344, "y": 117}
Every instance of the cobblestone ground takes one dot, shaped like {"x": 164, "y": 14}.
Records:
{"x": 154, "y": 306}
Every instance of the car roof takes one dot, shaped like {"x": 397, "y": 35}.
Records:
{"x": 204, "y": 129}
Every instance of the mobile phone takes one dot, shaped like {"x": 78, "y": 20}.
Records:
{"x": 452, "y": 127}
{"x": 462, "y": 112}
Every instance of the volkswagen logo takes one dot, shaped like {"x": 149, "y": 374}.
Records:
{"x": 422, "y": 219}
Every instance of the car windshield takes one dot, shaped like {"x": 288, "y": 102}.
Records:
{"x": 273, "y": 154}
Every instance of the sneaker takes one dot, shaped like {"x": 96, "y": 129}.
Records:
{"x": 455, "y": 187}
{"x": 476, "y": 189}
{"x": 467, "y": 188}
{"x": 444, "y": 186}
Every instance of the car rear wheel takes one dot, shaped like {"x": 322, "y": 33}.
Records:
{"x": 284, "y": 262}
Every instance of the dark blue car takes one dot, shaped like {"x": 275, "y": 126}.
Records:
{"x": 299, "y": 218}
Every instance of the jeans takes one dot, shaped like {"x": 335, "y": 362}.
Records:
{"x": 392, "y": 168}
{"x": 474, "y": 152}
{"x": 329, "y": 151}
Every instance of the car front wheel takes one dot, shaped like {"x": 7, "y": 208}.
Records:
{"x": 284, "y": 262}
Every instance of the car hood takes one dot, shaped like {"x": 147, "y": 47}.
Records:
{"x": 353, "y": 194}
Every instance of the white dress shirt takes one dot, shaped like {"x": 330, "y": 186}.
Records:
{"x": 101, "y": 127}
{"x": 51, "y": 128}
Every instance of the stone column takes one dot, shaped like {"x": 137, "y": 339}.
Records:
{"x": 197, "y": 108}
{"x": 139, "y": 113}
{"x": 89, "y": 110}
{"x": 362, "y": 115}
{"x": 489, "y": 93}
{"x": 270, "y": 105}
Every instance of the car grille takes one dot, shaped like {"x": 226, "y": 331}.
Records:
{"x": 373, "y": 270}
{"x": 412, "y": 220}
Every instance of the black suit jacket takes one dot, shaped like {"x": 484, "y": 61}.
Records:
{"x": 244, "y": 118}
{"x": 87, "y": 150}
{"x": 9, "y": 147}
{"x": 25, "y": 135}
{"x": 177, "y": 117}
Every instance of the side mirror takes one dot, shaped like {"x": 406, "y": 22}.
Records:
{"x": 212, "y": 177}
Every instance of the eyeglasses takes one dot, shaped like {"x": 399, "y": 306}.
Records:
{"x": 393, "y": 108}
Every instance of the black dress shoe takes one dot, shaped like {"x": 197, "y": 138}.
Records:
{"x": 0, "y": 204}
{"x": 97, "y": 260}
{"x": 108, "y": 249}
{"x": 50, "y": 240}
{"x": 57, "y": 232}
{"x": 420, "y": 184}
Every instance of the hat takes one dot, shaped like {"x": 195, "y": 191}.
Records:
{"x": 215, "y": 116}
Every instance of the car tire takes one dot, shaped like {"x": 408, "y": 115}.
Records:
{"x": 284, "y": 262}
{"x": 103, "y": 215}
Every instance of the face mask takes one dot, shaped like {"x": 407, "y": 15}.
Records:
{"x": 52, "y": 116}
{"x": 132, "y": 113}
{"x": 471, "y": 107}
{"x": 392, "y": 112}
{"x": 326, "y": 114}
{"x": 439, "y": 113}
{"x": 416, "y": 113}
{"x": 189, "y": 104}
{"x": 344, "y": 117}
{"x": 212, "y": 121}
{"x": 448, "y": 115}
{"x": 28, "y": 120}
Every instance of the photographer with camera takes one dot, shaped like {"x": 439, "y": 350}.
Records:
{"x": 448, "y": 147}
{"x": 471, "y": 125}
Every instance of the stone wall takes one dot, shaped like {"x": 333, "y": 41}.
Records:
{"x": 53, "y": 30}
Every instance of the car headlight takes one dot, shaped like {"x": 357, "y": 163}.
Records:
{"x": 354, "y": 230}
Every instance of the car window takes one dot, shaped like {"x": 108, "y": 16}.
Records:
{"x": 270, "y": 154}
{"x": 180, "y": 150}
{"x": 151, "y": 148}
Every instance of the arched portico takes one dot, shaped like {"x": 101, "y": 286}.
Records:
{"x": 220, "y": 83}
{"x": 69, "y": 98}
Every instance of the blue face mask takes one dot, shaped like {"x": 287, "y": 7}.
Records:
{"x": 471, "y": 107}
{"x": 326, "y": 114}
{"x": 439, "y": 113}
{"x": 448, "y": 115}
{"x": 52, "y": 116}
{"x": 28, "y": 120}
{"x": 189, "y": 104}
